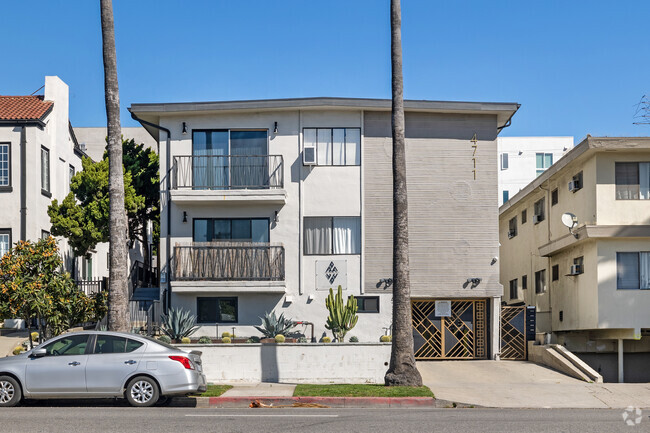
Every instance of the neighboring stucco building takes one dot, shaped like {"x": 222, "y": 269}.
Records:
{"x": 522, "y": 159}
{"x": 273, "y": 202}
{"x": 93, "y": 139}
{"x": 589, "y": 286}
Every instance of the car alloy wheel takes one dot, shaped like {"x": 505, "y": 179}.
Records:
{"x": 7, "y": 392}
{"x": 142, "y": 392}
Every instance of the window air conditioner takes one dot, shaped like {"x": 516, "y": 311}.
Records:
{"x": 574, "y": 185}
{"x": 576, "y": 269}
{"x": 536, "y": 219}
{"x": 309, "y": 155}
{"x": 511, "y": 234}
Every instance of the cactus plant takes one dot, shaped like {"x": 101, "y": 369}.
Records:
{"x": 354, "y": 339}
{"x": 178, "y": 323}
{"x": 342, "y": 317}
{"x": 325, "y": 340}
{"x": 272, "y": 325}
{"x": 386, "y": 338}
{"x": 302, "y": 340}
{"x": 225, "y": 334}
{"x": 225, "y": 340}
{"x": 34, "y": 336}
{"x": 279, "y": 338}
{"x": 205, "y": 340}
{"x": 186, "y": 340}
{"x": 164, "y": 339}
{"x": 17, "y": 350}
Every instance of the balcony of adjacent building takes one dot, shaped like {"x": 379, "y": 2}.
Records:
{"x": 242, "y": 267}
{"x": 227, "y": 179}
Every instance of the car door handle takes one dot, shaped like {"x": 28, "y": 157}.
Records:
{"x": 130, "y": 361}
{"x": 74, "y": 363}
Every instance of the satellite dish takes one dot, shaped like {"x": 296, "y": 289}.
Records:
{"x": 569, "y": 220}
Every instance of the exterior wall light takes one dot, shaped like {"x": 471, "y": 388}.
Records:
{"x": 184, "y": 216}
{"x": 276, "y": 218}
{"x": 275, "y": 128}
{"x": 184, "y": 128}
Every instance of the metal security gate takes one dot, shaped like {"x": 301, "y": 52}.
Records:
{"x": 513, "y": 333}
{"x": 462, "y": 335}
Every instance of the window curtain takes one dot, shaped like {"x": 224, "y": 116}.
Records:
{"x": 338, "y": 146}
{"x": 347, "y": 235}
{"x": 324, "y": 147}
{"x": 644, "y": 271}
{"x": 318, "y": 235}
{"x": 4, "y": 244}
{"x": 249, "y": 165}
{"x": 627, "y": 180}
{"x": 210, "y": 163}
{"x": 644, "y": 180}
{"x": 353, "y": 146}
{"x": 627, "y": 270}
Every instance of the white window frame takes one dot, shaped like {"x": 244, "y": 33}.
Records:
{"x": 325, "y": 156}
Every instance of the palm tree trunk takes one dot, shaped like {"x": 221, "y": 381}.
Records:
{"x": 118, "y": 312}
{"x": 402, "y": 370}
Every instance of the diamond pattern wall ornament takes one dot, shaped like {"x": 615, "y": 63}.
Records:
{"x": 331, "y": 272}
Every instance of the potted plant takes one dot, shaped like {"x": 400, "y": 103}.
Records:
{"x": 273, "y": 325}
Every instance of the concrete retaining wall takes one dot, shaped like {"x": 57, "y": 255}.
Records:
{"x": 294, "y": 363}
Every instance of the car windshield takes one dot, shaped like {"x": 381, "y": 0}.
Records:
{"x": 168, "y": 346}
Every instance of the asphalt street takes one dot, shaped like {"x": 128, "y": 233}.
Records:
{"x": 44, "y": 417}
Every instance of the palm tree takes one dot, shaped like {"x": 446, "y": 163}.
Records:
{"x": 118, "y": 312}
{"x": 402, "y": 370}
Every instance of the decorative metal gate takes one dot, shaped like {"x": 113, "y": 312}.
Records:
{"x": 513, "y": 333}
{"x": 462, "y": 335}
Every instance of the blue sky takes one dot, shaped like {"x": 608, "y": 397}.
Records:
{"x": 576, "y": 67}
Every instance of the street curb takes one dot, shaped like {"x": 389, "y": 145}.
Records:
{"x": 332, "y": 402}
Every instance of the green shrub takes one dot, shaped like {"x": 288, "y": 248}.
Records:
{"x": 386, "y": 338}
{"x": 253, "y": 340}
{"x": 279, "y": 338}
{"x": 17, "y": 350}
{"x": 164, "y": 339}
{"x": 326, "y": 340}
{"x": 302, "y": 340}
{"x": 225, "y": 340}
{"x": 205, "y": 340}
{"x": 354, "y": 339}
{"x": 225, "y": 334}
{"x": 186, "y": 340}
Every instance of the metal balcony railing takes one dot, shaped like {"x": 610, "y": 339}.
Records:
{"x": 228, "y": 261}
{"x": 227, "y": 172}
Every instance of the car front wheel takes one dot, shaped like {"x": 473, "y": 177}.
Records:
{"x": 10, "y": 393}
{"x": 142, "y": 391}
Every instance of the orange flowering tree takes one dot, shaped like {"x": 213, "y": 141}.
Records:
{"x": 33, "y": 285}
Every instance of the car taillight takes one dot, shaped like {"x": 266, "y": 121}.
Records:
{"x": 183, "y": 360}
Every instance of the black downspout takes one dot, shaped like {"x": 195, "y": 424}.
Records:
{"x": 23, "y": 183}
{"x": 169, "y": 201}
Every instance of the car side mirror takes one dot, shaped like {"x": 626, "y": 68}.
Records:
{"x": 38, "y": 353}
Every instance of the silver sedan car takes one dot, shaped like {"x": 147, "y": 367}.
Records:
{"x": 97, "y": 364}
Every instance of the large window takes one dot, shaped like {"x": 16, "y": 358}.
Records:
{"x": 231, "y": 229}
{"x": 632, "y": 180}
{"x": 5, "y": 241}
{"x": 542, "y": 162}
{"x": 45, "y": 171}
{"x": 540, "y": 281}
{"x": 633, "y": 270}
{"x": 5, "y": 165}
{"x": 216, "y": 310}
{"x": 332, "y": 235}
{"x": 225, "y": 159}
{"x": 335, "y": 146}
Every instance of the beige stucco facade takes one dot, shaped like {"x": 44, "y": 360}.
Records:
{"x": 586, "y": 311}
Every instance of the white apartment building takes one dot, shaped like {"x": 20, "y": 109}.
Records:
{"x": 522, "y": 159}
{"x": 589, "y": 283}
{"x": 268, "y": 204}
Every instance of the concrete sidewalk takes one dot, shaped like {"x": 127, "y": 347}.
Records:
{"x": 263, "y": 389}
{"x": 10, "y": 341}
{"x": 518, "y": 384}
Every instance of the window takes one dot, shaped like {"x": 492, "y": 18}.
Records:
{"x": 110, "y": 344}
{"x": 633, "y": 270}
{"x": 367, "y": 304}
{"x": 45, "y": 172}
{"x": 554, "y": 197}
{"x": 334, "y": 146}
{"x": 576, "y": 183}
{"x": 70, "y": 345}
{"x": 504, "y": 161}
{"x": 524, "y": 282}
{"x": 524, "y": 216}
{"x": 513, "y": 289}
{"x": 87, "y": 268}
{"x": 71, "y": 173}
{"x": 5, "y": 241}
{"x": 332, "y": 235}
{"x": 45, "y": 234}
{"x": 231, "y": 229}
{"x": 540, "y": 281}
{"x": 555, "y": 272}
{"x": 538, "y": 211}
{"x": 542, "y": 162}
{"x": 216, "y": 310}
{"x": 132, "y": 345}
{"x": 578, "y": 265}
{"x": 632, "y": 180}
{"x": 5, "y": 166}
{"x": 512, "y": 228}
{"x": 506, "y": 195}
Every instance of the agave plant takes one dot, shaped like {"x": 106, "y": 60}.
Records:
{"x": 178, "y": 323}
{"x": 272, "y": 325}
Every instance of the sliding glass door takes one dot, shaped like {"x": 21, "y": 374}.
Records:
{"x": 210, "y": 159}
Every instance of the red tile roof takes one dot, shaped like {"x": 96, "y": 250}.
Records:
{"x": 24, "y": 107}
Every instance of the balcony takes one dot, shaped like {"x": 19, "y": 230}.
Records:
{"x": 228, "y": 178}
{"x": 228, "y": 267}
